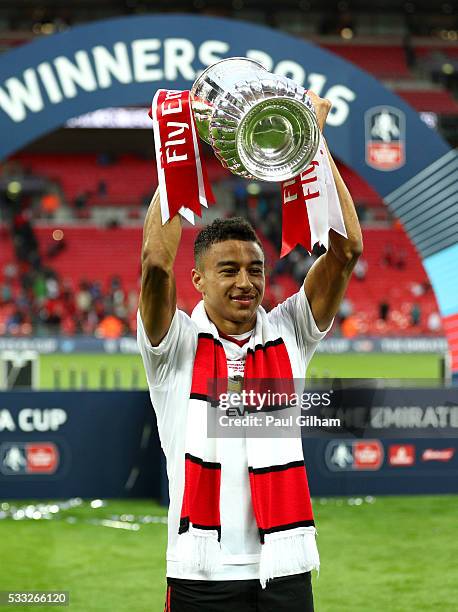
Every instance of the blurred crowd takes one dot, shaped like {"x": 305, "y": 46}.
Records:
{"x": 45, "y": 305}
{"x": 34, "y": 300}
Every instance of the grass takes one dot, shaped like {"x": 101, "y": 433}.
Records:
{"x": 103, "y": 568}
{"x": 126, "y": 371}
{"x": 395, "y": 554}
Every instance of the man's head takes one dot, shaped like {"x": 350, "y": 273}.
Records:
{"x": 229, "y": 272}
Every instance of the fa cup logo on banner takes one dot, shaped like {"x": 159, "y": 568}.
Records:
{"x": 385, "y": 138}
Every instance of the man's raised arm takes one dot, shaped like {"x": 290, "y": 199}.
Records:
{"x": 158, "y": 290}
{"x": 327, "y": 280}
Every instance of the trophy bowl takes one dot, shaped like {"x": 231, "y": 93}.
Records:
{"x": 259, "y": 125}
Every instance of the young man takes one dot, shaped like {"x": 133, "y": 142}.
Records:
{"x": 229, "y": 548}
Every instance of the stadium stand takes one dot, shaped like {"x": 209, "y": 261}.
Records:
{"x": 382, "y": 60}
{"x": 438, "y": 101}
{"x": 97, "y": 177}
{"x": 393, "y": 274}
{"x": 101, "y": 180}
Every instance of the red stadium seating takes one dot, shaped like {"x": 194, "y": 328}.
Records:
{"x": 394, "y": 285}
{"x": 361, "y": 191}
{"x": 119, "y": 250}
{"x": 383, "y": 61}
{"x": 437, "y": 101}
{"x": 425, "y": 51}
{"x": 82, "y": 173}
{"x": 128, "y": 181}
{"x": 98, "y": 254}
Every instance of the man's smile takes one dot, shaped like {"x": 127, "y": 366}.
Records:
{"x": 244, "y": 300}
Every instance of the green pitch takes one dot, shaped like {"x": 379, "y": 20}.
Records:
{"x": 396, "y": 554}
{"x": 126, "y": 371}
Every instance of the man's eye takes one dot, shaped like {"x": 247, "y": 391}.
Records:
{"x": 256, "y": 271}
{"x": 229, "y": 271}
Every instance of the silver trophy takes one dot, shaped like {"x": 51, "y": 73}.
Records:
{"x": 259, "y": 125}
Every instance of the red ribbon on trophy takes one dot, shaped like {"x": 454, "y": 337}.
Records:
{"x": 311, "y": 206}
{"x": 183, "y": 182}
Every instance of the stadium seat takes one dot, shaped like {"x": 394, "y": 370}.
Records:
{"x": 383, "y": 61}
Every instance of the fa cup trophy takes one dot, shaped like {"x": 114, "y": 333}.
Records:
{"x": 259, "y": 125}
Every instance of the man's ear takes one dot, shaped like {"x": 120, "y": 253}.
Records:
{"x": 197, "y": 280}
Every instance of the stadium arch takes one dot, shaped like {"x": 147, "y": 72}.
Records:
{"x": 122, "y": 61}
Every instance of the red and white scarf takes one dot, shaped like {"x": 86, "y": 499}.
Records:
{"x": 278, "y": 480}
{"x": 183, "y": 183}
{"x": 311, "y": 206}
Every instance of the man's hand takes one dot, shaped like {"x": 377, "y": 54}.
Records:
{"x": 322, "y": 107}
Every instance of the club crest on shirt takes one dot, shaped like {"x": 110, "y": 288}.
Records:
{"x": 235, "y": 384}
{"x": 385, "y": 138}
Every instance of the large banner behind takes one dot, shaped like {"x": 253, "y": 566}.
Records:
{"x": 78, "y": 444}
{"x": 124, "y": 61}
{"x": 105, "y": 444}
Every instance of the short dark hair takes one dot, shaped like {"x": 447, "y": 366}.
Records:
{"x": 236, "y": 228}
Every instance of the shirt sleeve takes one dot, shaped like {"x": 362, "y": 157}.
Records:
{"x": 293, "y": 319}
{"x": 163, "y": 360}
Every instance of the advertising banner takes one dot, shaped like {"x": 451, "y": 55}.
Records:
{"x": 78, "y": 444}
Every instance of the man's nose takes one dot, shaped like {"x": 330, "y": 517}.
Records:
{"x": 243, "y": 280}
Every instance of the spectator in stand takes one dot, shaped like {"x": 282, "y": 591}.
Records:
{"x": 401, "y": 260}
{"x": 417, "y": 289}
{"x": 39, "y": 288}
{"x": 388, "y": 256}
{"x": 10, "y": 272}
{"x": 360, "y": 270}
{"x": 434, "y": 323}
{"x": 301, "y": 264}
{"x": 96, "y": 290}
{"x": 6, "y": 293}
{"x": 50, "y": 204}
{"x": 349, "y": 327}
{"x": 15, "y": 321}
{"x": 81, "y": 201}
{"x": 345, "y": 310}
{"x": 383, "y": 310}
{"x": 56, "y": 246}
{"x": 102, "y": 189}
{"x": 25, "y": 242}
{"x": 52, "y": 286}
{"x": 427, "y": 287}
{"x": 110, "y": 327}
{"x": 415, "y": 315}
{"x": 83, "y": 297}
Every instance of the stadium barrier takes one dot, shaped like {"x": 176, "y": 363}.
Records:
{"x": 105, "y": 444}
{"x": 129, "y": 346}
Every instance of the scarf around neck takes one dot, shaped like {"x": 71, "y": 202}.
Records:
{"x": 277, "y": 475}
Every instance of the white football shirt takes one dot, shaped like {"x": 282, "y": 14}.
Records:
{"x": 168, "y": 368}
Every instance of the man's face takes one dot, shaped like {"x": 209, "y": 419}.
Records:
{"x": 231, "y": 280}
